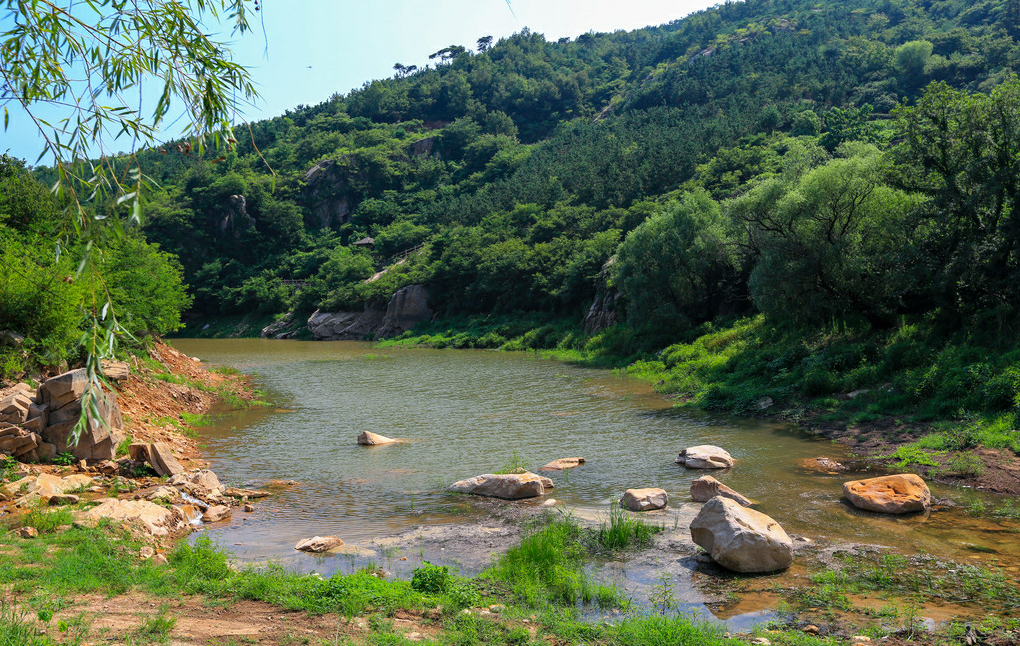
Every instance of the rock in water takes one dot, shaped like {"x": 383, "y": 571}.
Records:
{"x": 319, "y": 544}
{"x": 369, "y": 438}
{"x": 508, "y": 486}
{"x": 644, "y": 499}
{"x": 563, "y": 463}
{"x": 741, "y": 539}
{"x": 216, "y": 513}
{"x": 706, "y": 487}
{"x": 896, "y": 494}
{"x": 705, "y": 456}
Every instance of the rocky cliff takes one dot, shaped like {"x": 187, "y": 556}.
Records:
{"x": 406, "y": 308}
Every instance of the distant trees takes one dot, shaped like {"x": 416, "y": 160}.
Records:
{"x": 484, "y": 44}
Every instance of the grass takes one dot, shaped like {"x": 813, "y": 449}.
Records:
{"x": 622, "y": 530}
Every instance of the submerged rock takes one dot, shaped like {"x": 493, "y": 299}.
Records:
{"x": 741, "y": 539}
{"x": 896, "y": 494}
{"x": 369, "y": 438}
{"x": 319, "y": 544}
{"x": 563, "y": 463}
{"x": 705, "y": 456}
{"x": 508, "y": 486}
{"x": 644, "y": 499}
{"x": 706, "y": 487}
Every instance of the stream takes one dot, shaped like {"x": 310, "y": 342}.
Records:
{"x": 466, "y": 412}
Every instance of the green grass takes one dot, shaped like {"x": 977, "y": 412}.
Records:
{"x": 623, "y": 530}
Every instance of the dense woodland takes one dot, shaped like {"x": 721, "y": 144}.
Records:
{"x": 825, "y": 170}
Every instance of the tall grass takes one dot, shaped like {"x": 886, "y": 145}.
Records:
{"x": 622, "y": 530}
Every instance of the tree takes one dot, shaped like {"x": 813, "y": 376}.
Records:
{"x": 484, "y": 44}
{"x": 88, "y": 62}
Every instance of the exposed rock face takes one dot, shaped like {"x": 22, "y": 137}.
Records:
{"x": 705, "y": 456}
{"x": 407, "y": 308}
{"x": 706, "y": 487}
{"x": 896, "y": 494}
{"x": 422, "y": 147}
{"x": 741, "y": 539}
{"x": 283, "y": 328}
{"x": 152, "y": 518}
{"x": 61, "y": 396}
{"x": 14, "y": 407}
{"x": 345, "y": 326}
{"x": 319, "y": 544}
{"x": 563, "y": 463}
{"x": 509, "y": 486}
{"x": 115, "y": 370}
{"x": 602, "y": 312}
{"x": 644, "y": 499}
{"x": 327, "y": 193}
{"x": 369, "y": 438}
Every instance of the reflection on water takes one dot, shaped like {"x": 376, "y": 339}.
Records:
{"x": 470, "y": 412}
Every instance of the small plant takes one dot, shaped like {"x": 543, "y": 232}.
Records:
{"x": 122, "y": 448}
{"x": 513, "y": 464}
{"x": 431, "y": 579}
{"x": 64, "y": 459}
{"x": 663, "y": 596}
{"x": 622, "y": 530}
{"x": 8, "y": 467}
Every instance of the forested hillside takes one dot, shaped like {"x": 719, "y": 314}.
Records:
{"x": 845, "y": 170}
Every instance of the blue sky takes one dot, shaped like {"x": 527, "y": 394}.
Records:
{"x": 312, "y": 49}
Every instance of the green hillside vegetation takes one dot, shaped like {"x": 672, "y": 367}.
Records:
{"x": 800, "y": 199}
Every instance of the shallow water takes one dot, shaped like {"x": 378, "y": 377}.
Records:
{"x": 466, "y": 412}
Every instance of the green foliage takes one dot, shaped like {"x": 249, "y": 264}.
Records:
{"x": 431, "y": 579}
{"x": 623, "y": 530}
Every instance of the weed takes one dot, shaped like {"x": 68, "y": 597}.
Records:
{"x": 64, "y": 459}
{"x": 433, "y": 579}
{"x": 622, "y": 530}
{"x": 663, "y": 596}
{"x": 513, "y": 464}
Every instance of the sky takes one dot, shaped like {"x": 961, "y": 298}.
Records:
{"x": 301, "y": 52}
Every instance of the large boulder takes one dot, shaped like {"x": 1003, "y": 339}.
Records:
{"x": 408, "y": 307}
{"x": 706, "y": 487}
{"x": 644, "y": 499}
{"x": 152, "y": 518}
{"x": 368, "y": 438}
{"x": 896, "y": 494}
{"x": 705, "y": 456}
{"x": 63, "y": 389}
{"x": 319, "y": 544}
{"x": 563, "y": 463}
{"x": 741, "y": 539}
{"x": 158, "y": 455}
{"x": 508, "y": 486}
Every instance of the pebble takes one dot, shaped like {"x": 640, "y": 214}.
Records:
{"x": 811, "y": 629}
{"x": 28, "y": 532}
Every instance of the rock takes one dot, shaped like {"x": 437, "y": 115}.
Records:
{"x": 249, "y": 508}
{"x": 253, "y": 494}
{"x": 761, "y": 641}
{"x": 14, "y": 407}
{"x": 644, "y": 499}
{"x": 369, "y": 438}
{"x": 765, "y": 403}
{"x": 741, "y": 539}
{"x": 101, "y": 436}
{"x": 319, "y": 544}
{"x": 705, "y": 456}
{"x": 206, "y": 479}
{"x": 706, "y": 487}
{"x": 549, "y": 503}
{"x": 824, "y": 465}
{"x": 146, "y": 552}
{"x": 216, "y": 513}
{"x": 159, "y": 456}
{"x": 115, "y": 370}
{"x": 28, "y": 532}
{"x": 152, "y": 518}
{"x": 896, "y": 494}
{"x": 811, "y": 629}
{"x": 159, "y": 559}
{"x": 546, "y": 482}
{"x": 63, "y": 389}
{"x": 860, "y": 639}
{"x": 408, "y": 307}
{"x": 340, "y": 326}
{"x": 189, "y": 514}
{"x": 563, "y": 463}
{"x": 45, "y": 486}
{"x": 12, "y": 338}
{"x": 164, "y": 493}
{"x": 64, "y": 499}
{"x": 508, "y": 486}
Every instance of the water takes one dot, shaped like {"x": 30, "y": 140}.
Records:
{"x": 469, "y": 412}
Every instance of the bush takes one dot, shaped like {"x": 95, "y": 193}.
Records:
{"x": 431, "y": 579}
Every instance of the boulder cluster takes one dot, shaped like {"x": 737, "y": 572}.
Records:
{"x": 37, "y": 426}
